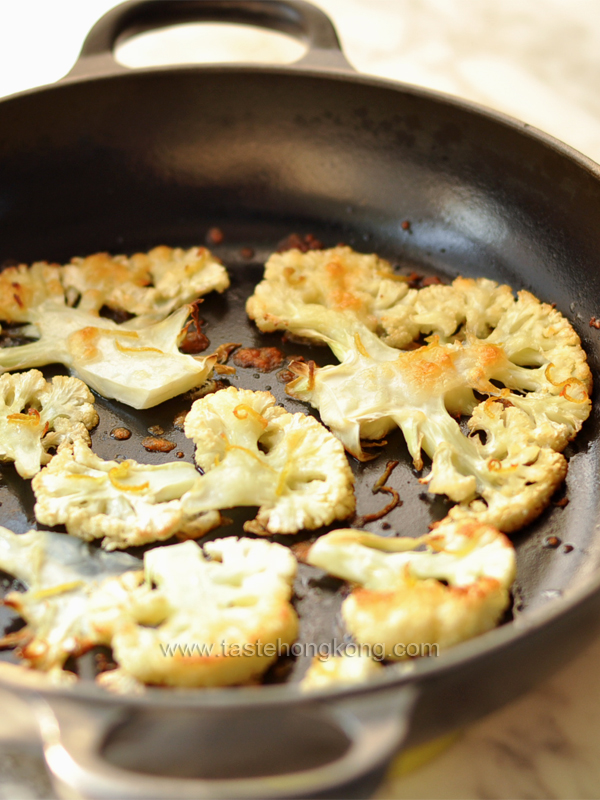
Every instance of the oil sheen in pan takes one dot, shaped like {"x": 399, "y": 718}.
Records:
{"x": 317, "y": 599}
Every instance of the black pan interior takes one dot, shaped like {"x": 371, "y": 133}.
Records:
{"x": 127, "y": 163}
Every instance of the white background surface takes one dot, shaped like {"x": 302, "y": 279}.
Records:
{"x": 538, "y": 60}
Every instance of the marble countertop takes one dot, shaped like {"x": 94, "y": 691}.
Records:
{"x": 537, "y": 60}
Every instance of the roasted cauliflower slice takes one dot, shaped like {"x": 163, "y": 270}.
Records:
{"x": 123, "y": 503}
{"x": 226, "y": 612}
{"x": 154, "y": 283}
{"x": 254, "y": 453}
{"x": 136, "y": 362}
{"x": 520, "y": 353}
{"x": 140, "y": 367}
{"x": 355, "y": 285}
{"x": 37, "y": 415}
{"x": 454, "y": 589}
{"x": 192, "y": 617}
{"x": 74, "y": 595}
{"x": 324, "y": 673}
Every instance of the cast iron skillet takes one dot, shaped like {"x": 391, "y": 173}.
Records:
{"x": 120, "y": 160}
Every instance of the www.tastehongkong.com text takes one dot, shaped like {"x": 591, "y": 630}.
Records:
{"x": 324, "y": 650}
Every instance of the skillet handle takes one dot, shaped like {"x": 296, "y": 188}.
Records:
{"x": 297, "y": 18}
{"x": 312, "y": 749}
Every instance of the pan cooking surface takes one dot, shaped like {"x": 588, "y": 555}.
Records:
{"x": 553, "y": 553}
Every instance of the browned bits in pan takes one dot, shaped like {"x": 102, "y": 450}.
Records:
{"x": 158, "y": 445}
{"x": 564, "y": 501}
{"x": 414, "y": 280}
{"x": 432, "y": 280}
{"x": 224, "y": 369}
{"x": 179, "y": 420}
{"x": 223, "y": 351}
{"x": 103, "y": 663}
{"x": 299, "y": 367}
{"x": 264, "y": 359}
{"x": 156, "y": 430}
{"x": 286, "y": 375}
{"x": 379, "y": 486}
{"x": 179, "y": 454}
{"x": 552, "y": 542}
{"x": 208, "y": 388}
{"x": 247, "y": 253}
{"x": 120, "y": 433}
{"x": 405, "y": 225}
{"x": 300, "y": 550}
{"x": 215, "y": 236}
{"x": 194, "y": 341}
{"x": 302, "y": 243}
{"x": 595, "y": 323}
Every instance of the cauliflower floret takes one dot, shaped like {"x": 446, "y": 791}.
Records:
{"x": 36, "y": 415}
{"x": 125, "y": 502}
{"x": 153, "y": 283}
{"x": 254, "y": 453}
{"x": 520, "y": 352}
{"x": 226, "y": 613}
{"x": 64, "y": 614}
{"x": 336, "y": 670}
{"x": 402, "y": 599}
{"x": 23, "y": 288}
{"x": 140, "y": 367}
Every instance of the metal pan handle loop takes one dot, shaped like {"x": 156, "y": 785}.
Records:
{"x": 296, "y": 18}
{"x": 76, "y": 737}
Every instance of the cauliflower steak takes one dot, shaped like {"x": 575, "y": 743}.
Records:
{"x": 193, "y": 617}
{"x": 515, "y": 366}
{"x": 124, "y": 503}
{"x": 254, "y": 453}
{"x": 66, "y": 605}
{"x": 137, "y": 361}
{"x": 457, "y": 588}
{"x": 224, "y": 612}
